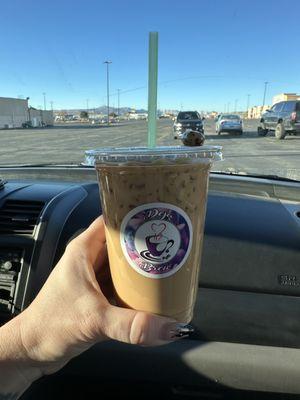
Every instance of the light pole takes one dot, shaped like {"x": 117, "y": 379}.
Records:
{"x": 87, "y": 105}
{"x": 44, "y": 94}
{"x": 235, "y": 105}
{"x": 248, "y": 101}
{"x": 119, "y": 102}
{"x": 28, "y": 107}
{"x": 41, "y": 114}
{"x": 264, "y": 98}
{"x": 51, "y": 102}
{"x": 228, "y": 106}
{"x": 107, "y": 62}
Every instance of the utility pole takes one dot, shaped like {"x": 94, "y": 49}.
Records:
{"x": 265, "y": 91}
{"x": 248, "y": 104}
{"x": 235, "y": 105}
{"x": 248, "y": 101}
{"x": 41, "y": 114}
{"x": 28, "y": 108}
{"x": 87, "y": 105}
{"x": 119, "y": 102}
{"x": 107, "y": 87}
{"x": 44, "y": 94}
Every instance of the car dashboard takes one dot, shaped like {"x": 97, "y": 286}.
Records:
{"x": 247, "y": 315}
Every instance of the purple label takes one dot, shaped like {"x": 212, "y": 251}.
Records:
{"x": 156, "y": 239}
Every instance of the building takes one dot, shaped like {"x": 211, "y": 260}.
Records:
{"x": 13, "y": 112}
{"x": 40, "y": 117}
{"x": 285, "y": 97}
{"x": 256, "y": 111}
{"x": 212, "y": 114}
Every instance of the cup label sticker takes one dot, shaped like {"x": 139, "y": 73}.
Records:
{"x": 156, "y": 239}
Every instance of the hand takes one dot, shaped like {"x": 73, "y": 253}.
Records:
{"x": 71, "y": 312}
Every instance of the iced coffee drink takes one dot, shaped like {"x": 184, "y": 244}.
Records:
{"x": 154, "y": 203}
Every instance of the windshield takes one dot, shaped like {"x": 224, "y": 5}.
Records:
{"x": 188, "y": 115}
{"x": 74, "y": 77}
{"x": 229, "y": 116}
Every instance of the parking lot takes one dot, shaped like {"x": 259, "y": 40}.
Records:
{"x": 66, "y": 144}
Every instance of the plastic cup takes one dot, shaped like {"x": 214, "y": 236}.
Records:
{"x": 154, "y": 204}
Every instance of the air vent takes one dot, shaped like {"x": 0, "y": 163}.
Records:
{"x": 19, "y": 217}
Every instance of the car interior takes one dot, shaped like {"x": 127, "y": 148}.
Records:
{"x": 247, "y": 316}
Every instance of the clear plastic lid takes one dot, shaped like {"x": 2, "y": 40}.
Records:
{"x": 119, "y": 155}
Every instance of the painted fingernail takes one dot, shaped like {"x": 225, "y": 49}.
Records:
{"x": 181, "y": 331}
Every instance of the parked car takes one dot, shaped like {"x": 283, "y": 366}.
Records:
{"x": 95, "y": 121}
{"x": 164, "y": 116}
{"x": 187, "y": 120}
{"x": 229, "y": 123}
{"x": 27, "y": 124}
{"x": 283, "y": 118}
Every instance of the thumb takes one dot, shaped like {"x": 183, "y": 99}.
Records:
{"x": 138, "y": 327}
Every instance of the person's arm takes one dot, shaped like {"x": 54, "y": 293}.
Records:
{"x": 70, "y": 314}
{"x": 17, "y": 371}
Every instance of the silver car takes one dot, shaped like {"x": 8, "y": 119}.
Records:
{"x": 229, "y": 123}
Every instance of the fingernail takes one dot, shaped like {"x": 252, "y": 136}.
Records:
{"x": 177, "y": 331}
{"x": 181, "y": 330}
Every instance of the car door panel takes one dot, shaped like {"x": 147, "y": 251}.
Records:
{"x": 274, "y": 116}
{"x": 268, "y": 118}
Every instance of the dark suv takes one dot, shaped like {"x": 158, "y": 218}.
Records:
{"x": 187, "y": 120}
{"x": 283, "y": 118}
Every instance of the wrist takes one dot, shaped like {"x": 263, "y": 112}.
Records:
{"x": 17, "y": 369}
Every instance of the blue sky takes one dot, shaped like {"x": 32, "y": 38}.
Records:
{"x": 210, "y": 52}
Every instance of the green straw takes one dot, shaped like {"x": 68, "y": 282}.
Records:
{"x": 152, "y": 88}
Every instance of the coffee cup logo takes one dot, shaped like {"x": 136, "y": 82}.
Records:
{"x": 156, "y": 239}
{"x": 158, "y": 244}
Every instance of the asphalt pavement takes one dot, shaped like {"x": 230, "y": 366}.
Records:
{"x": 66, "y": 143}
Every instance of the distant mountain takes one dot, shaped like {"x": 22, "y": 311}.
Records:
{"x": 101, "y": 110}
{"x": 122, "y": 110}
